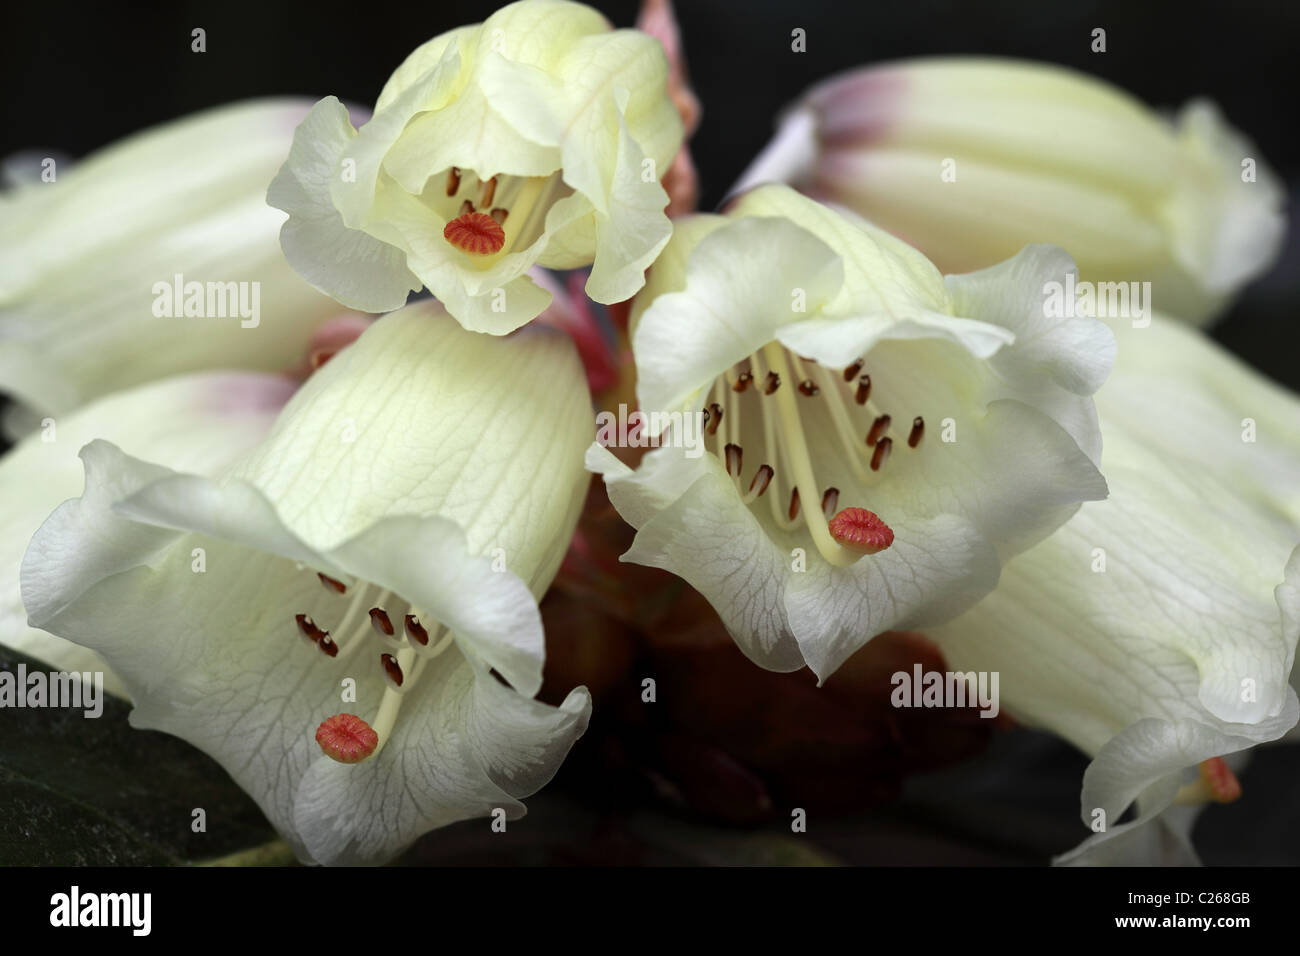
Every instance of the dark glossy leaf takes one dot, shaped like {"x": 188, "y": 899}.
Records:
{"x": 79, "y": 791}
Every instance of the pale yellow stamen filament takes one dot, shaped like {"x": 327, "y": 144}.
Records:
{"x": 349, "y": 644}
{"x": 776, "y": 500}
{"x": 843, "y": 423}
{"x": 795, "y": 449}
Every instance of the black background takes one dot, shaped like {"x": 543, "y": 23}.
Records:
{"x": 77, "y": 77}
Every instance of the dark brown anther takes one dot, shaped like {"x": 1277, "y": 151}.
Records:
{"x": 715, "y": 418}
{"x": 453, "y": 181}
{"x": 415, "y": 631}
{"x": 881, "y": 454}
{"x": 331, "y": 585}
{"x": 772, "y": 383}
{"x": 762, "y": 478}
{"x": 794, "y": 504}
{"x": 327, "y": 646}
{"x": 489, "y": 191}
{"x": 465, "y": 207}
{"x": 808, "y": 387}
{"x": 852, "y": 370}
{"x": 392, "y": 669}
{"x": 735, "y": 456}
{"x": 307, "y": 627}
{"x": 829, "y": 500}
{"x": 918, "y": 429}
{"x": 499, "y": 215}
{"x": 380, "y": 622}
{"x": 742, "y": 382}
{"x": 864, "y": 390}
{"x": 878, "y": 428}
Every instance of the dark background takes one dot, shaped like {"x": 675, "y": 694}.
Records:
{"x": 77, "y": 77}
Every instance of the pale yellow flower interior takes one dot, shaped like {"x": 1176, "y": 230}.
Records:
{"x": 518, "y": 204}
{"x": 405, "y": 647}
{"x": 775, "y": 385}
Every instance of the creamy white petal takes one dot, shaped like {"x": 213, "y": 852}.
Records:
{"x": 1188, "y": 397}
{"x": 212, "y": 654}
{"x": 993, "y": 448}
{"x": 355, "y": 268}
{"x": 199, "y": 422}
{"x": 471, "y": 744}
{"x": 972, "y": 158}
{"x": 88, "y": 258}
{"x": 742, "y": 281}
{"x": 1154, "y": 631}
{"x": 543, "y": 116}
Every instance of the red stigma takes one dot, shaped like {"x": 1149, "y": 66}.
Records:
{"x": 476, "y": 233}
{"x": 346, "y": 738}
{"x": 859, "y": 530}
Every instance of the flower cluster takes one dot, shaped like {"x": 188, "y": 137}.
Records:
{"x": 313, "y": 544}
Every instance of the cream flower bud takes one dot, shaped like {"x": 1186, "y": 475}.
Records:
{"x": 878, "y": 437}
{"x": 200, "y": 422}
{"x": 970, "y": 159}
{"x": 1156, "y": 630}
{"x": 538, "y": 137}
{"x": 362, "y": 649}
{"x": 154, "y": 256}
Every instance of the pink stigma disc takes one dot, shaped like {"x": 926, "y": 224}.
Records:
{"x": 860, "y": 530}
{"x": 476, "y": 233}
{"x": 346, "y": 738}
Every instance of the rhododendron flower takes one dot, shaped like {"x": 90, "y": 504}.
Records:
{"x": 882, "y": 438}
{"x": 90, "y": 263}
{"x": 538, "y": 137}
{"x": 1156, "y": 630}
{"x": 972, "y": 158}
{"x": 346, "y": 617}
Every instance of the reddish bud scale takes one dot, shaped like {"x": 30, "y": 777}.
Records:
{"x": 320, "y": 356}
{"x": 346, "y": 738}
{"x": 475, "y": 233}
{"x": 859, "y": 530}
